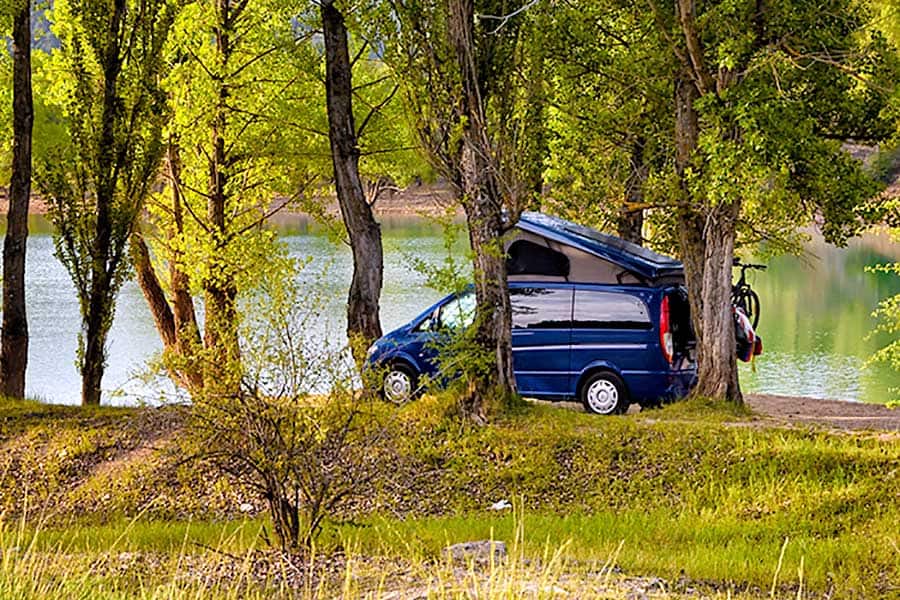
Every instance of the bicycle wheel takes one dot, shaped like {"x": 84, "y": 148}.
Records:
{"x": 748, "y": 301}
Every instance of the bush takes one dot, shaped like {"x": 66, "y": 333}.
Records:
{"x": 295, "y": 431}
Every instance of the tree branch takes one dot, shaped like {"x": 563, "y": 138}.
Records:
{"x": 506, "y": 18}
{"x": 695, "y": 51}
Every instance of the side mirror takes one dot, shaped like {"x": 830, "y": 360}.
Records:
{"x": 429, "y": 323}
{"x": 434, "y": 321}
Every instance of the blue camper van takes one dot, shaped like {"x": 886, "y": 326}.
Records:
{"x": 595, "y": 319}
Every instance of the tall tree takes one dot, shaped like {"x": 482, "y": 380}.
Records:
{"x": 97, "y": 182}
{"x": 14, "y": 339}
{"x": 236, "y": 154}
{"x": 763, "y": 95}
{"x": 474, "y": 122}
{"x": 363, "y": 322}
{"x": 483, "y": 202}
{"x": 725, "y": 120}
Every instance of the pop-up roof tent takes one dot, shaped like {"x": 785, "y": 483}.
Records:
{"x": 553, "y": 249}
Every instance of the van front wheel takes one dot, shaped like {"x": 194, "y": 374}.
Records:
{"x": 604, "y": 394}
{"x": 399, "y": 384}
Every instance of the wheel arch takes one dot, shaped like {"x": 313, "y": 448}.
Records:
{"x": 599, "y": 367}
{"x": 403, "y": 359}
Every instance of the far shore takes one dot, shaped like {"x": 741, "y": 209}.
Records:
{"x": 415, "y": 200}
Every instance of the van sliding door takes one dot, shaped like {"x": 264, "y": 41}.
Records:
{"x": 541, "y": 321}
{"x": 612, "y": 329}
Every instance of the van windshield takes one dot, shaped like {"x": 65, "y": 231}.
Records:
{"x": 459, "y": 313}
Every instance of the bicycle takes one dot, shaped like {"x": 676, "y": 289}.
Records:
{"x": 743, "y": 296}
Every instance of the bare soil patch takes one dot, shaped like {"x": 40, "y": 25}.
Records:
{"x": 838, "y": 414}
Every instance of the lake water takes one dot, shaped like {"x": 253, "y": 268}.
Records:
{"x": 816, "y": 313}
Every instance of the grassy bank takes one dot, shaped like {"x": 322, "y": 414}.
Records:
{"x": 691, "y": 493}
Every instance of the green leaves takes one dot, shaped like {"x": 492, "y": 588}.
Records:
{"x": 888, "y": 311}
{"x": 98, "y": 171}
{"x": 791, "y": 83}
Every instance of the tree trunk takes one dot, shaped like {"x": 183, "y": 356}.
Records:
{"x": 152, "y": 290}
{"x": 179, "y": 343}
{"x": 717, "y": 375}
{"x": 187, "y": 331}
{"x": 631, "y": 214}
{"x": 363, "y": 324}
{"x": 707, "y": 248}
{"x": 175, "y": 319}
{"x": 14, "y": 343}
{"x": 493, "y": 317}
{"x": 220, "y": 334}
{"x": 483, "y": 205}
{"x": 93, "y": 360}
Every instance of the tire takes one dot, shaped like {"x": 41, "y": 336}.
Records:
{"x": 400, "y": 383}
{"x": 753, "y": 307}
{"x": 748, "y": 301}
{"x": 604, "y": 393}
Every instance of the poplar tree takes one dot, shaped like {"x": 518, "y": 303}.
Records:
{"x": 463, "y": 64}
{"x": 363, "y": 322}
{"x": 235, "y": 155}
{"x": 745, "y": 108}
{"x": 96, "y": 180}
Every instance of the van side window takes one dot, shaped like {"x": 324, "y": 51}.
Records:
{"x": 541, "y": 308}
{"x": 609, "y": 310}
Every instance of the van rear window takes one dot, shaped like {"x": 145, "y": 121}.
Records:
{"x": 541, "y": 308}
{"x": 607, "y": 310}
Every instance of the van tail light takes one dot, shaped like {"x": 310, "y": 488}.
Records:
{"x": 665, "y": 333}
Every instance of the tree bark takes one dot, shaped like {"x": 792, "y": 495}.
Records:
{"x": 152, "y": 290}
{"x": 187, "y": 331}
{"x": 717, "y": 375}
{"x": 631, "y": 215}
{"x": 363, "y": 323}
{"x": 483, "y": 204}
{"x": 707, "y": 247}
{"x": 175, "y": 317}
{"x": 493, "y": 318}
{"x": 96, "y": 327}
{"x": 14, "y": 343}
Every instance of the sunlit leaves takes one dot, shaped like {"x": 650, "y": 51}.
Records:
{"x": 96, "y": 172}
{"x": 790, "y": 85}
{"x": 888, "y": 311}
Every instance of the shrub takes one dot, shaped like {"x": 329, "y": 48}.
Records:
{"x": 295, "y": 431}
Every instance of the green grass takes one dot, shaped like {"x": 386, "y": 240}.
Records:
{"x": 151, "y": 560}
{"x": 696, "y": 488}
{"x": 139, "y": 535}
{"x": 707, "y": 547}
{"x": 700, "y": 409}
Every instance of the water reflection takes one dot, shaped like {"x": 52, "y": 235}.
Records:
{"x": 816, "y": 319}
{"x": 816, "y": 312}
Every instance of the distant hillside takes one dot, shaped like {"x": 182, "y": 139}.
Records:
{"x": 884, "y": 163}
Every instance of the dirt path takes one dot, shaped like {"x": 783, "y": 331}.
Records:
{"x": 832, "y": 413}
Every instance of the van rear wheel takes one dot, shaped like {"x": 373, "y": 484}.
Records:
{"x": 604, "y": 393}
{"x": 399, "y": 384}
